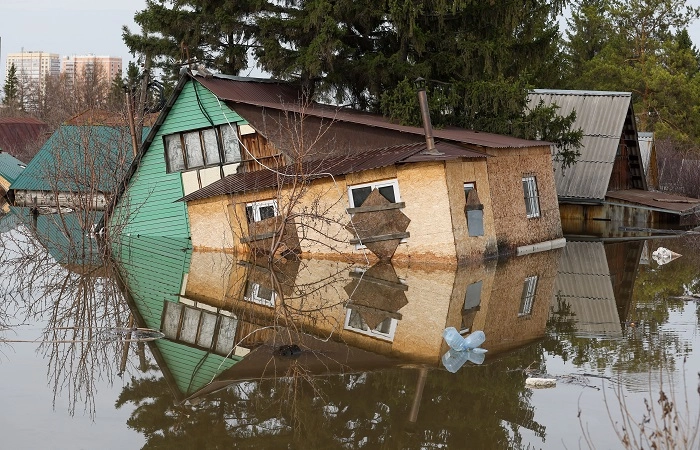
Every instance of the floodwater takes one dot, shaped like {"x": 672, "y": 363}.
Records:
{"x": 329, "y": 354}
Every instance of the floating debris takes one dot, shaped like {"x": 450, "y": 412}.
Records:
{"x": 463, "y": 349}
{"x": 540, "y": 383}
{"x": 663, "y": 255}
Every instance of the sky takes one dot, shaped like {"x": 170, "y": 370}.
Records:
{"x": 79, "y": 27}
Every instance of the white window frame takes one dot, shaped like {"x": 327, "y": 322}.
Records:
{"x": 223, "y": 131}
{"x": 470, "y": 185}
{"x": 375, "y": 185}
{"x": 258, "y": 205}
{"x": 531, "y": 196}
{"x": 528, "y": 296}
{"x": 255, "y": 297}
{"x": 366, "y": 330}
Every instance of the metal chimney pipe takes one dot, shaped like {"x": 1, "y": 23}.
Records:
{"x": 425, "y": 115}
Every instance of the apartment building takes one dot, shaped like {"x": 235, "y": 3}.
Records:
{"x": 33, "y": 66}
{"x": 76, "y": 67}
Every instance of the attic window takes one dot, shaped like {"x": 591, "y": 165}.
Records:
{"x": 532, "y": 196}
{"x": 202, "y": 148}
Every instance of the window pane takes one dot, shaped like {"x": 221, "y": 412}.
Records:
{"x": 359, "y": 195}
{"x": 211, "y": 148}
{"x": 249, "y": 214}
{"x": 384, "y": 327}
{"x": 193, "y": 149}
{"x": 388, "y": 193}
{"x": 232, "y": 149}
{"x": 467, "y": 187}
{"x": 173, "y": 150}
{"x": 266, "y": 212}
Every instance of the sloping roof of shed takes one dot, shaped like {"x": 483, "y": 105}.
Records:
{"x": 15, "y": 132}
{"x": 333, "y": 166}
{"x": 111, "y": 150}
{"x": 10, "y": 167}
{"x": 601, "y": 115}
{"x": 283, "y": 96}
{"x": 584, "y": 282}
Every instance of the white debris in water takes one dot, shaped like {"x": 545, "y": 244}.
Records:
{"x": 540, "y": 383}
{"x": 663, "y": 256}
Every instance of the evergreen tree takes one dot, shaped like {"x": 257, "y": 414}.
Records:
{"x": 11, "y": 88}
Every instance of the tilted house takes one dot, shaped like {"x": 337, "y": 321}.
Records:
{"x": 251, "y": 157}
{"x": 608, "y": 182}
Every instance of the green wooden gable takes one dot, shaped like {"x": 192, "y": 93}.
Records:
{"x": 152, "y": 271}
{"x": 149, "y": 205}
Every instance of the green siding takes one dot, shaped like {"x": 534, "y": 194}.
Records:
{"x": 149, "y": 205}
{"x": 152, "y": 270}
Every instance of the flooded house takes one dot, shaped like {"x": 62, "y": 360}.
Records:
{"x": 609, "y": 181}
{"x": 257, "y": 167}
{"x": 78, "y": 168}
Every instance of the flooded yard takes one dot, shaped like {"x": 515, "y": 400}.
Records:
{"x": 331, "y": 354}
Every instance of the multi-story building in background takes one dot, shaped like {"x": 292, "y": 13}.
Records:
{"x": 78, "y": 67}
{"x": 32, "y": 67}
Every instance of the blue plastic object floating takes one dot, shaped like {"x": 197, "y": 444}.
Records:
{"x": 463, "y": 349}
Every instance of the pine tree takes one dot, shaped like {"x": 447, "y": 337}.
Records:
{"x": 11, "y": 88}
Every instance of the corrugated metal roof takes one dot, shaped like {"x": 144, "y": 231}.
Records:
{"x": 584, "y": 282}
{"x": 283, "y": 96}
{"x": 16, "y": 132}
{"x": 601, "y": 115}
{"x": 10, "y": 167}
{"x": 61, "y": 164}
{"x": 333, "y": 166}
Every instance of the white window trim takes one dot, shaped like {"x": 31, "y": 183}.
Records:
{"x": 183, "y": 148}
{"x": 261, "y": 204}
{"x": 534, "y": 199}
{"x": 527, "y": 299}
{"x": 372, "y": 333}
{"x": 375, "y": 185}
{"x": 255, "y": 298}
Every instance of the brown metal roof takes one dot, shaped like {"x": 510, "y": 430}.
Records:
{"x": 333, "y": 166}
{"x": 282, "y": 96}
{"x": 16, "y": 132}
{"x": 662, "y": 201}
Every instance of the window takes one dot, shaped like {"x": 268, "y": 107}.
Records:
{"x": 359, "y": 193}
{"x": 528, "y": 296}
{"x": 257, "y": 211}
{"x": 259, "y": 294}
{"x": 385, "y": 330}
{"x": 202, "y": 148}
{"x": 474, "y": 210}
{"x": 532, "y": 197}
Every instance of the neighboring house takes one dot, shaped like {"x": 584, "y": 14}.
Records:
{"x": 19, "y": 134}
{"x": 79, "y": 168}
{"x": 608, "y": 180}
{"x": 240, "y": 151}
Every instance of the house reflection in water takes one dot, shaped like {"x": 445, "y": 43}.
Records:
{"x": 227, "y": 320}
{"x": 595, "y": 283}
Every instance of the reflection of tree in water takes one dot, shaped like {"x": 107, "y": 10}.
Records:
{"x": 72, "y": 298}
{"x": 481, "y": 407}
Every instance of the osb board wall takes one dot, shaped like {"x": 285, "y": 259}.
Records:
{"x": 421, "y": 186}
{"x": 215, "y": 278}
{"x": 499, "y": 318}
{"x": 506, "y": 170}
{"x": 470, "y": 171}
{"x": 211, "y": 224}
